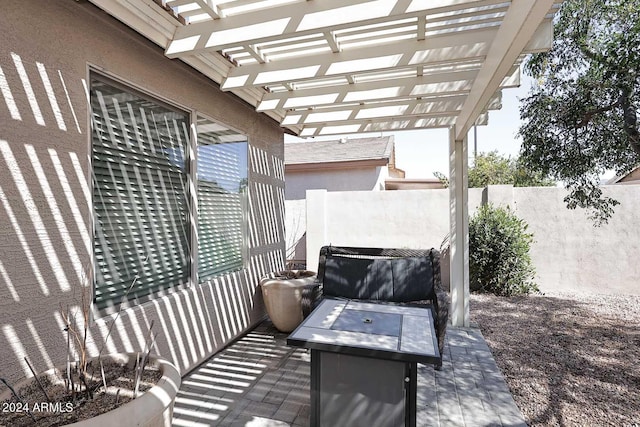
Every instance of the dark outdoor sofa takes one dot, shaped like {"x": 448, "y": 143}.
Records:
{"x": 388, "y": 275}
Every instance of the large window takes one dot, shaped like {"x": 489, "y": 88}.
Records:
{"x": 222, "y": 205}
{"x": 141, "y": 199}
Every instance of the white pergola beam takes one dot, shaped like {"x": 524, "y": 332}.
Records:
{"x": 430, "y": 85}
{"x": 147, "y": 18}
{"x": 401, "y": 110}
{"x": 255, "y": 53}
{"x": 303, "y": 18}
{"x": 331, "y": 40}
{"x": 500, "y": 8}
{"x": 210, "y": 8}
{"x": 520, "y": 24}
{"x": 381, "y": 126}
{"x": 367, "y": 120}
{"x": 487, "y": 22}
{"x": 366, "y": 91}
{"x": 445, "y": 49}
{"x": 178, "y": 3}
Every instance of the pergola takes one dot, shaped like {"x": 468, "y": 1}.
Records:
{"x": 327, "y": 67}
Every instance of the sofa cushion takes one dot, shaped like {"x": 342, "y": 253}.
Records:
{"x": 412, "y": 279}
{"x": 358, "y": 278}
{"x": 397, "y": 280}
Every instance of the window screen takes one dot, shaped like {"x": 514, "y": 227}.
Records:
{"x": 139, "y": 193}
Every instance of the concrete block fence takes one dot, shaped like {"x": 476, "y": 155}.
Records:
{"x": 569, "y": 253}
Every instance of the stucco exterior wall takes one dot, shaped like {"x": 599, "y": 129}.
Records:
{"x": 378, "y": 220}
{"x": 295, "y": 227}
{"x": 356, "y": 179}
{"x": 569, "y": 253}
{"x": 45, "y": 190}
{"x": 414, "y": 219}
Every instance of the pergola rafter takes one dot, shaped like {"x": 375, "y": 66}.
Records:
{"x": 431, "y": 85}
{"x": 382, "y": 125}
{"x": 283, "y": 56}
{"x": 441, "y": 50}
{"x": 518, "y": 29}
{"x": 441, "y": 106}
{"x": 307, "y": 17}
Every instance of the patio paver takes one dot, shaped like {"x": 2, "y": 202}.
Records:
{"x": 259, "y": 381}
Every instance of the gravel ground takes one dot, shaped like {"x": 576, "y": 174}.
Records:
{"x": 569, "y": 359}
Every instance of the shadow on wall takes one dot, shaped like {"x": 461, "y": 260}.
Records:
{"x": 46, "y": 239}
{"x": 296, "y": 233}
{"x": 296, "y": 257}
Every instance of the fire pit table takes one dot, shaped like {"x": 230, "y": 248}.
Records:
{"x": 364, "y": 360}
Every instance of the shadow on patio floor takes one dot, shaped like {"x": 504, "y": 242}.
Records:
{"x": 259, "y": 381}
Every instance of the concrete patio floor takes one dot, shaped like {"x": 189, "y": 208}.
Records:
{"x": 259, "y": 381}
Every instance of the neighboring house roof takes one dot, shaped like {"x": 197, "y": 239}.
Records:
{"x": 345, "y": 152}
{"x": 632, "y": 177}
{"x": 412, "y": 183}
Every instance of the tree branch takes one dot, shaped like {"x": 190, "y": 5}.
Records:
{"x": 630, "y": 119}
{"x": 589, "y": 114}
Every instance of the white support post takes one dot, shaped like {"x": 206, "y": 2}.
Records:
{"x": 459, "y": 230}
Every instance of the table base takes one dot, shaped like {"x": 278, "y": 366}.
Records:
{"x": 355, "y": 391}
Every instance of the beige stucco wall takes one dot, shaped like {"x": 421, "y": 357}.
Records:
{"x": 45, "y": 214}
{"x": 295, "y": 228}
{"x": 340, "y": 180}
{"x": 394, "y": 219}
{"x": 353, "y": 179}
{"x": 569, "y": 253}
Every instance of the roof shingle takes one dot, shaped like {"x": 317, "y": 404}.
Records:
{"x": 348, "y": 149}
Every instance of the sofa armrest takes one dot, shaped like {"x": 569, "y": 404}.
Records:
{"x": 311, "y": 296}
{"x": 441, "y": 306}
{"x": 440, "y": 300}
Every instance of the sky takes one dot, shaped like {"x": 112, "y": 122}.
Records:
{"x": 421, "y": 152}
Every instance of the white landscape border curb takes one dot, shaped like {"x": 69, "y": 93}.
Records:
{"x": 151, "y": 409}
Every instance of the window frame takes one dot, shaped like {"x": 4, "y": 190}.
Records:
{"x": 194, "y": 185}
{"x": 190, "y": 193}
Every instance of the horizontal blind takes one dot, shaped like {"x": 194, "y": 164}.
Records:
{"x": 222, "y": 181}
{"x": 139, "y": 198}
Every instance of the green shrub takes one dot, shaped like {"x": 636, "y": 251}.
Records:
{"x": 499, "y": 260}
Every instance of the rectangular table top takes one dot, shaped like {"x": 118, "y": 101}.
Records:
{"x": 397, "y": 332}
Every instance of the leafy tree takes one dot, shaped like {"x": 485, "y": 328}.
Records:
{"x": 493, "y": 169}
{"x": 523, "y": 176}
{"x": 581, "y": 119}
